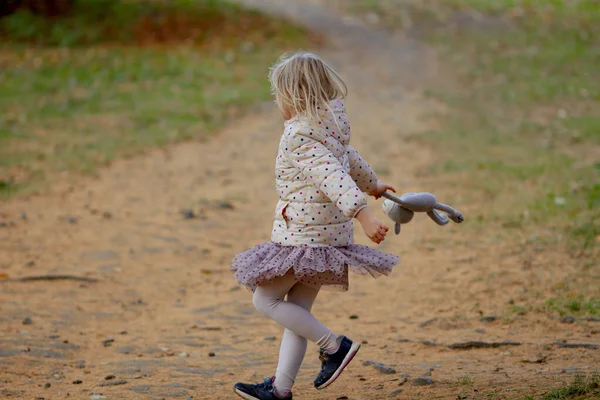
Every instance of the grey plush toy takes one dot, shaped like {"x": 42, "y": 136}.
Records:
{"x": 402, "y": 209}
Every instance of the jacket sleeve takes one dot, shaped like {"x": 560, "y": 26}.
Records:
{"x": 321, "y": 167}
{"x": 361, "y": 171}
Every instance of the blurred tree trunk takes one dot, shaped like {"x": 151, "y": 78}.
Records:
{"x": 49, "y": 8}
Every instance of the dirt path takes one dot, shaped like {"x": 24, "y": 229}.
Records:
{"x": 179, "y": 327}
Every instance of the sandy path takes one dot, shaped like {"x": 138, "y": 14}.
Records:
{"x": 167, "y": 299}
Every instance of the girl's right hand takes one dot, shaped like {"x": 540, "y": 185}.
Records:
{"x": 380, "y": 188}
{"x": 373, "y": 228}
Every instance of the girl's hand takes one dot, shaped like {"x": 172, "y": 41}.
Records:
{"x": 380, "y": 188}
{"x": 373, "y": 228}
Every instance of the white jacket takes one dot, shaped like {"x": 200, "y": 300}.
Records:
{"x": 320, "y": 180}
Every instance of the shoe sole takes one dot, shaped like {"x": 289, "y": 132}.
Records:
{"x": 243, "y": 395}
{"x": 353, "y": 350}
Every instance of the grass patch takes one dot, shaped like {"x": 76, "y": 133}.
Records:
{"x": 517, "y": 309}
{"x": 465, "y": 380}
{"x": 580, "y": 388}
{"x": 78, "y": 92}
{"x": 574, "y": 304}
{"x": 522, "y": 128}
{"x": 520, "y": 133}
{"x": 93, "y": 22}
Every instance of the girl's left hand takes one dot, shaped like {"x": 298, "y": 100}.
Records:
{"x": 381, "y": 187}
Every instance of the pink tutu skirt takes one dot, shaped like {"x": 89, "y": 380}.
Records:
{"x": 323, "y": 266}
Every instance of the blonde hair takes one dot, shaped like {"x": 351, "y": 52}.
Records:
{"x": 303, "y": 83}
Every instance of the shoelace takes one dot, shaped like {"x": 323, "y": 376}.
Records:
{"x": 323, "y": 356}
{"x": 266, "y": 385}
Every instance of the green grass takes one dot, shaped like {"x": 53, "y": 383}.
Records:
{"x": 86, "y": 94}
{"x": 517, "y": 309}
{"x": 465, "y": 380}
{"x": 573, "y": 304}
{"x": 529, "y": 128}
{"x": 580, "y": 388}
{"x": 519, "y": 134}
{"x": 522, "y": 128}
{"x": 90, "y": 22}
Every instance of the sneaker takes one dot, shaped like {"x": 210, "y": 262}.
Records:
{"x": 261, "y": 391}
{"x": 332, "y": 365}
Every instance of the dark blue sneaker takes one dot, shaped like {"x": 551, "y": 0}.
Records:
{"x": 260, "y": 391}
{"x": 332, "y": 365}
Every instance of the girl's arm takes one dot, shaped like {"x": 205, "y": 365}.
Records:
{"x": 361, "y": 171}
{"x": 317, "y": 163}
{"x": 364, "y": 176}
{"x": 320, "y": 166}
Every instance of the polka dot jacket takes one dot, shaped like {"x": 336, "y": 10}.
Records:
{"x": 320, "y": 179}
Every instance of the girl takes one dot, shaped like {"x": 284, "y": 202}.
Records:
{"x": 320, "y": 179}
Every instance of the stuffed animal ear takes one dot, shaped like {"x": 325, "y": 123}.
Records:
{"x": 397, "y": 228}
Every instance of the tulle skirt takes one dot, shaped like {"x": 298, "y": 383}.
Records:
{"x": 323, "y": 266}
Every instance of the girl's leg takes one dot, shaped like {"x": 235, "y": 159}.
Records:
{"x": 293, "y": 346}
{"x": 336, "y": 351}
{"x": 268, "y": 299}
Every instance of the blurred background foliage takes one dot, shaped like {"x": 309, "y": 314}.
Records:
{"x": 85, "y": 81}
{"x": 518, "y": 127}
{"x": 140, "y": 22}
